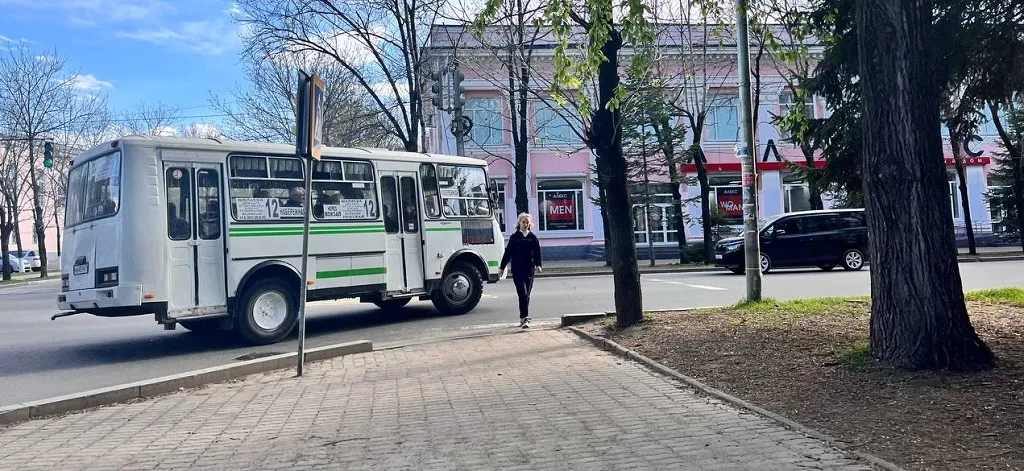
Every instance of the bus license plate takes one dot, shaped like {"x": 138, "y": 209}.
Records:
{"x": 81, "y": 269}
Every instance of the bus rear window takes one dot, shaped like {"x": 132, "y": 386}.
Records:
{"x": 94, "y": 190}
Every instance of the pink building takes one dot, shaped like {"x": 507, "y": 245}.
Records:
{"x": 558, "y": 170}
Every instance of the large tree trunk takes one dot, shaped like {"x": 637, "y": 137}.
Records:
{"x": 17, "y": 232}
{"x": 6, "y": 227}
{"x": 37, "y": 211}
{"x": 606, "y": 139}
{"x": 965, "y": 204}
{"x": 918, "y": 316}
{"x": 602, "y": 198}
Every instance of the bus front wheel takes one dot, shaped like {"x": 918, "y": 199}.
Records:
{"x": 460, "y": 290}
{"x": 267, "y": 313}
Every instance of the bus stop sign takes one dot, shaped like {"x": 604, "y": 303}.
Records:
{"x": 316, "y": 116}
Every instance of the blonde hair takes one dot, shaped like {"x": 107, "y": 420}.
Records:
{"x": 524, "y": 217}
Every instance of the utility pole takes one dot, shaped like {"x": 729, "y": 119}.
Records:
{"x": 744, "y": 151}
{"x": 460, "y": 124}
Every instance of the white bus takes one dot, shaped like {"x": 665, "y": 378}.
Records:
{"x": 208, "y": 234}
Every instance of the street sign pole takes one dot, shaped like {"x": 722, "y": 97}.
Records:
{"x": 744, "y": 151}
{"x": 309, "y": 140}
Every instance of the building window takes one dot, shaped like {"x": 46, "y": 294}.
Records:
{"x": 723, "y": 119}
{"x": 787, "y": 101}
{"x": 654, "y": 208}
{"x": 727, "y": 198}
{"x": 488, "y": 124}
{"x": 499, "y": 203}
{"x": 561, "y": 205}
{"x": 552, "y": 128}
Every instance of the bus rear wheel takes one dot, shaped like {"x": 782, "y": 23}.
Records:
{"x": 267, "y": 313}
{"x": 460, "y": 290}
{"x": 392, "y": 304}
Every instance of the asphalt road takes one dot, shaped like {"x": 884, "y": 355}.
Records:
{"x": 40, "y": 358}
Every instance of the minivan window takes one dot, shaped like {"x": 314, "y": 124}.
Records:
{"x": 791, "y": 226}
{"x": 851, "y": 221}
{"x": 822, "y": 223}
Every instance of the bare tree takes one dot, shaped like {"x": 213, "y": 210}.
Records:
{"x": 708, "y": 70}
{"x": 380, "y": 42}
{"x": 265, "y": 109}
{"x": 38, "y": 98}
{"x": 150, "y": 119}
{"x": 11, "y": 178}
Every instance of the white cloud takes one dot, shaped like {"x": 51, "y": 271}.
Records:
{"x": 89, "y": 82}
{"x": 5, "y": 39}
{"x": 165, "y": 131}
{"x": 205, "y": 37}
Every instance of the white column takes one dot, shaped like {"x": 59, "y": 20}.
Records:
{"x": 595, "y": 220}
{"x": 693, "y": 231}
{"x": 977, "y": 186}
{"x": 771, "y": 193}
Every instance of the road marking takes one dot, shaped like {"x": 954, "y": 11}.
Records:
{"x": 712, "y": 288}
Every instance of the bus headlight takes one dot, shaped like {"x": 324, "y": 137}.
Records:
{"x": 106, "y": 277}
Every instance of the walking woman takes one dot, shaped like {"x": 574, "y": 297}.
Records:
{"x": 523, "y": 251}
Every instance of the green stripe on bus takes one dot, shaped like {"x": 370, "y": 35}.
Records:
{"x": 295, "y": 228}
{"x": 492, "y": 263}
{"x": 352, "y": 272}
{"x": 443, "y": 229}
{"x": 290, "y": 231}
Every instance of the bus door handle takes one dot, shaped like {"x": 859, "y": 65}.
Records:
{"x": 193, "y": 243}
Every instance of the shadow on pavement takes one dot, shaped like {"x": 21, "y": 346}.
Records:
{"x": 136, "y": 346}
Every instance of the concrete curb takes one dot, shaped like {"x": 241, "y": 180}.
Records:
{"x": 610, "y": 346}
{"x": 166, "y": 384}
{"x": 603, "y": 271}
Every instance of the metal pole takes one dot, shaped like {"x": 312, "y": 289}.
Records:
{"x": 305, "y": 263}
{"x": 460, "y": 128}
{"x": 751, "y": 233}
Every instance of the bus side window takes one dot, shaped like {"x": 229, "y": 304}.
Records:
{"x": 428, "y": 180}
{"x": 209, "y": 204}
{"x": 389, "y": 197}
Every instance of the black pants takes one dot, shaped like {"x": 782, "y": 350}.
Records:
{"x": 523, "y": 287}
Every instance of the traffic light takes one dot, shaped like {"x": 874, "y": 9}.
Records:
{"x": 47, "y": 154}
{"x": 458, "y": 90}
{"x": 437, "y": 89}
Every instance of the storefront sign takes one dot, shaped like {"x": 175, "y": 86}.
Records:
{"x": 561, "y": 210}
{"x": 730, "y": 202}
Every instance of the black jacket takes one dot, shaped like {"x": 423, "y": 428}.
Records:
{"x": 523, "y": 252}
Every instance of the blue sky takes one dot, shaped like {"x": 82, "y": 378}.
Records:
{"x": 174, "y": 52}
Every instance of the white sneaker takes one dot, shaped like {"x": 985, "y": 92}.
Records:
{"x": 525, "y": 323}
{"x": 522, "y": 322}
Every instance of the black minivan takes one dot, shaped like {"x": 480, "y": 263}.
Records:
{"x": 824, "y": 239}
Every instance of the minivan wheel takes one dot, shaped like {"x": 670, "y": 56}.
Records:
{"x": 826, "y": 267}
{"x": 766, "y": 263}
{"x": 853, "y": 259}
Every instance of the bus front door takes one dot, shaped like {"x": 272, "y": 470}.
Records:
{"x": 403, "y": 228}
{"x": 196, "y": 283}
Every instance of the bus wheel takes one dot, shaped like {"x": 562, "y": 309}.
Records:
{"x": 460, "y": 290}
{"x": 267, "y": 313}
{"x": 392, "y": 304}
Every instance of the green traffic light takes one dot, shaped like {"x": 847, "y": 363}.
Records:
{"x": 48, "y": 163}
{"x": 48, "y": 154}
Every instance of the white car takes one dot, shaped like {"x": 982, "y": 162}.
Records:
{"x": 31, "y": 260}
{"x": 17, "y": 265}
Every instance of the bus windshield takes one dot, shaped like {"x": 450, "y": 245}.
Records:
{"x": 94, "y": 190}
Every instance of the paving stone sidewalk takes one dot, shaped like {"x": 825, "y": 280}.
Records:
{"x": 534, "y": 400}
